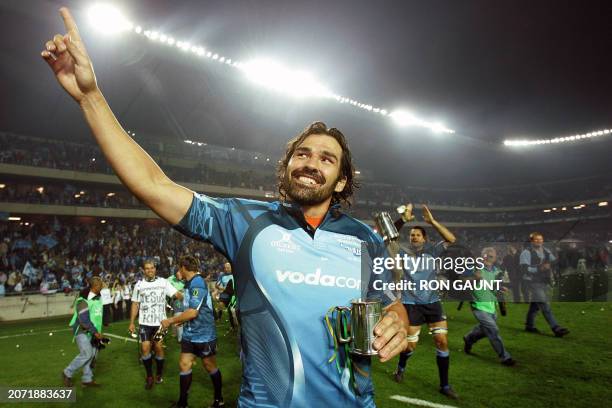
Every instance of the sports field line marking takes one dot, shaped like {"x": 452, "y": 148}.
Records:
{"x": 119, "y": 337}
{"x": 420, "y": 402}
{"x": 33, "y": 333}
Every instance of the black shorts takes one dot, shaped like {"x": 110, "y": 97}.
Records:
{"x": 200, "y": 350}
{"x": 427, "y": 313}
{"x": 146, "y": 333}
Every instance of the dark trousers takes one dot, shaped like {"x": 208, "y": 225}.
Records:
{"x": 106, "y": 314}
{"x": 118, "y": 311}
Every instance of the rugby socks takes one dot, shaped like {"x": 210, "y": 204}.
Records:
{"x": 404, "y": 356}
{"x": 216, "y": 380}
{"x": 185, "y": 383}
{"x": 148, "y": 363}
{"x": 160, "y": 365}
{"x": 443, "y": 360}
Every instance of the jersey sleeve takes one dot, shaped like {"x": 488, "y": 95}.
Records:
{"x": 197, "y": 294}
{"x": 136, "y": 293}
{"x": 170, "y": 289}
{"x": 210, "y": 219}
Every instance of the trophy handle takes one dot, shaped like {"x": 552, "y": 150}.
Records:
{"x": 341, "y": 312}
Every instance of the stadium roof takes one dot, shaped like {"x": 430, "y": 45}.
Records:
{"x": 490, "y": 71}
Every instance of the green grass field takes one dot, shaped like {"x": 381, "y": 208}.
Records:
{"x": 575, "y": 371}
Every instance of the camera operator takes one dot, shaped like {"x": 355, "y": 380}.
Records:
{"x": 86, "y": 325}
{"x": 536, "y": 264}
{"x": 483, "y": 308}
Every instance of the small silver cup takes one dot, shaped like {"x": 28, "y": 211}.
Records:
{"x": 365, "y": 315}
{"x": 385, "y": 226}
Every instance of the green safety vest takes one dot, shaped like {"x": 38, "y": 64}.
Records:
{"x": 95, "y": 307}
{"x": 484, "y": 299}
{"x": 178, "y": 285}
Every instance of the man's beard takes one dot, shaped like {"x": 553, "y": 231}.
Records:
{"x": 304, "y": 195}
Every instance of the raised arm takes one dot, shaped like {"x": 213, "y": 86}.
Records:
{"x": 72, "y": 67}
{"x": 442, "y": 230}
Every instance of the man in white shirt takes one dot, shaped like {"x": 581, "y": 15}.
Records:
{"x": 149, "y": 304}
{"x": 107, "y": 301}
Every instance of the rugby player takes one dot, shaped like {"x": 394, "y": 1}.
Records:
{"x": 273, "y": 247}
{"x": 149, "y": 305}
{"x": 199, "y": 335}
{"x": 422, "y": 305}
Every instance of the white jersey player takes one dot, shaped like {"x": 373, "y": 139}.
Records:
{"x": 149, "y": 304}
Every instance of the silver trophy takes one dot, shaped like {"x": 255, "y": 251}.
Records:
{"x": 365, "y": 315}
{"x": 385, "y": 226}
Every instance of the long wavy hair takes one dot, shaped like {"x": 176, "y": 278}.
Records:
{"x": 347, "y": 170}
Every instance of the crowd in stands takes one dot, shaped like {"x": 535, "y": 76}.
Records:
{"x": 66, "y": 194}
{"x": 59, "y": 256}
{"x": 235, "y": 168}
{"x": 507, "y": 217}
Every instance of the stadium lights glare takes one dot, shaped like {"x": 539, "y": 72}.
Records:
{"x": 40, "y": 190}
{"x": 103, "y": 222}
{"x": 2, "y": 185}
{"x": 406, "y": 118}
{"x": 526, "y": 142}
{"x": 547, "y": 210}
{"x": 108, "y": 19}
{"x": 277, "y": 77}
{"x": 110, "y": 194}
{"x": 14, "y": 218}
{"x": 270, "y": 74}
{"x": 602, "y": 204}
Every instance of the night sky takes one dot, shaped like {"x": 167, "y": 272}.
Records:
{"x": 491, "y": 70}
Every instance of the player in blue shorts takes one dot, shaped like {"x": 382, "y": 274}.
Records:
{"x": 422, "y": 305}
{"x": 199, "y": 334}
{"x": 293, "y": 259}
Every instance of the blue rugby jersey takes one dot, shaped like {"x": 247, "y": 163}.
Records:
{"x": 425, "y": 272}
{"x": 202, "y": 328}
{"x": 287, "y": 276}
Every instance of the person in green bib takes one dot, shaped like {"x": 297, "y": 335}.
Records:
{"x": 86, "y": 323}
{"x": 177, "y": 305}
{"x": 484, "y": 309}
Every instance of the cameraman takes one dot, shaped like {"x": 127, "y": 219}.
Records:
{"x": 86, "y": 325}
{"x": 536, "y": 263}
{"x": 483, "y": 308}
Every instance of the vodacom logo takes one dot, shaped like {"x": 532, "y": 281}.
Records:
{"x": 317, "y": 278}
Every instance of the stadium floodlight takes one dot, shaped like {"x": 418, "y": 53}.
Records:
{"x": 269, "y": 74}
{"x": 14, "y": 218}
{"x": 602, "y": 204}
{"x": 277, "y": 77}
{"x": 108, "y": 19}
{"x": 547, "y": 210}
{"x": 2, "y": 186}
{"x": 573, "y": 138}
{"x": 406, "y": 118}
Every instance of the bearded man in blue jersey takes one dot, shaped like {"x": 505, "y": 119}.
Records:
{"x": 292, "y": 259}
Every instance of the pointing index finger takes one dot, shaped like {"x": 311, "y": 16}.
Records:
{"x": 70, "y": 24}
